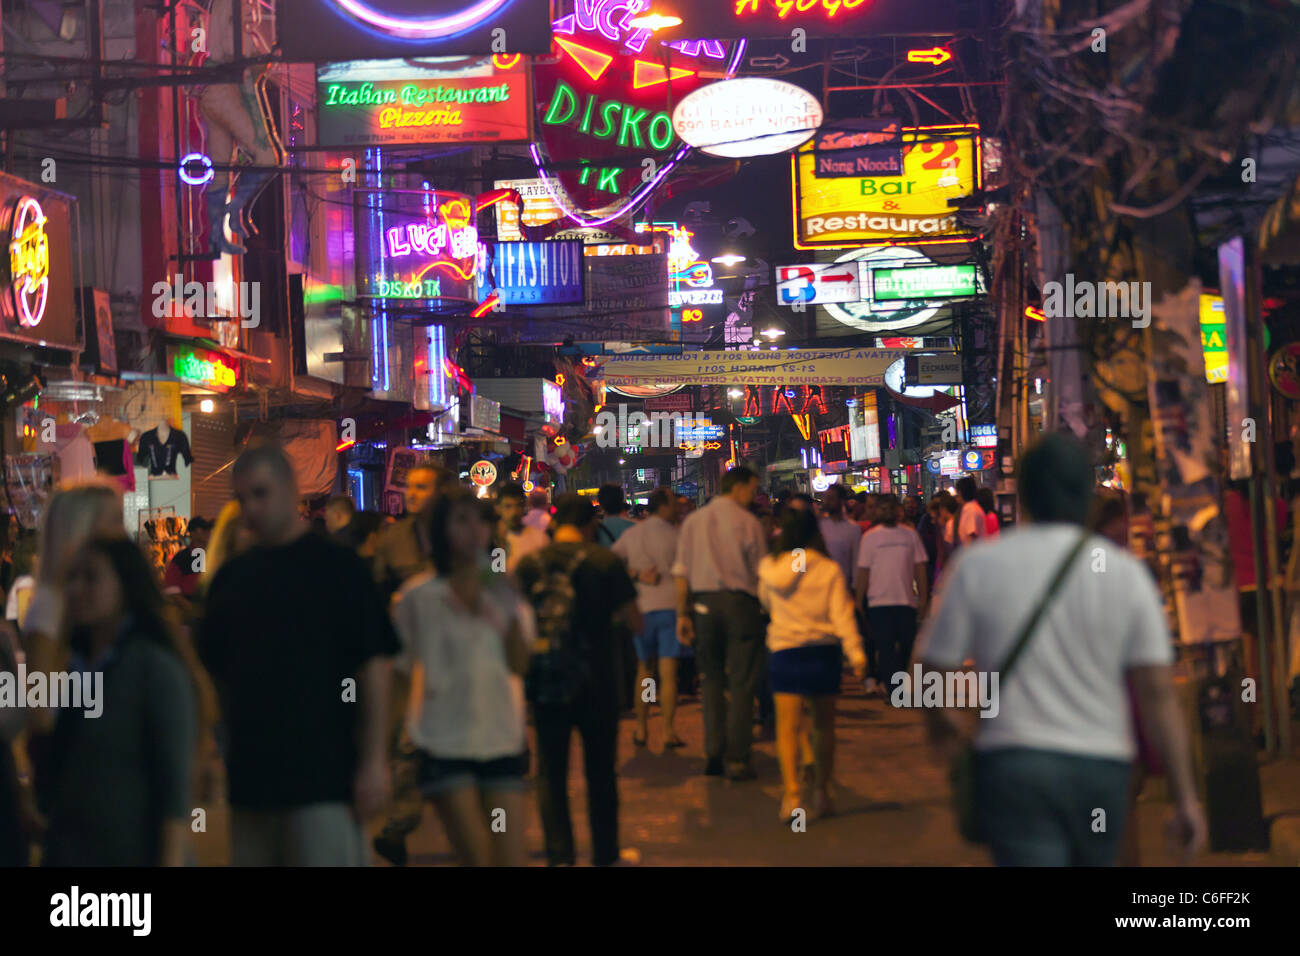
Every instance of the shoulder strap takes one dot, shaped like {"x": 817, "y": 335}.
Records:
{"x": 1031, "y": 624}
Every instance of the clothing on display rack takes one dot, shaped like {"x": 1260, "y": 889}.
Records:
{"x": 159, "y": 450}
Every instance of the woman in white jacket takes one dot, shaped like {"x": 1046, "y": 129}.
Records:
{"x": 812, "y": 629}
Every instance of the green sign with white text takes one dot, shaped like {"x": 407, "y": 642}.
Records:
{"x": 923, "y": 282}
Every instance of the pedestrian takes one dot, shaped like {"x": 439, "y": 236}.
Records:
{"x": 518, "y": 539}
{"x": 579, "y": 591}
{"x": 362, "y": 536}
{"x": 339, "y": 511}
{"x": 307, "y": 764}
{"x": 716, "y": 574}
{"x": 649, "y": 549}
{"x": 928, "y": 529}
{"x": 893, "y": 584}
{"x": 912, "y": 510}
{"x": 988, "y": 504}
{"x": 840, "y": 535}
{"x": 118, "y": 785}
{"x": 539, "y": 510}
{"x": 812, "y": 629}
{"x": 467, "y": 632}
{"x": 181, "y": 578}
{"x": 616, "y": 522}
{"x": 399, "y": 553}
{"x": 1054, "y": 746}
{"x": 971, "y": 525}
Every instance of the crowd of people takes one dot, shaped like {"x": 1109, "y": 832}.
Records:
{"x": 333, "y": 679}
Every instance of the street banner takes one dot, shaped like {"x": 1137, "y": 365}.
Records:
{"x": 795, "y": 367}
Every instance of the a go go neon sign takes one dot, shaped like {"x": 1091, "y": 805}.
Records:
{"x": 29, "y": 262}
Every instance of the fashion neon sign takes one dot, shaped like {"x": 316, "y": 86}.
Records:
{"x": 29, "y": 262}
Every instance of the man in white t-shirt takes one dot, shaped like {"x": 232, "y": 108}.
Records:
{"x": 893, "y": 584}
{"x": 1055, "y": 744}
{"x": 971, "y": 524}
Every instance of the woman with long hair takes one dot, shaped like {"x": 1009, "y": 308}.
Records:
{"x": 117, "y": 787}
{"x": 229, "y": 537}
{"x": 468, "y": 632}
{"x": 812, "y": 629}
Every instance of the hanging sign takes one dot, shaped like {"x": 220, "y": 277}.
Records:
{"x": 923, "y": 282}
{"x": 318, "y": 30}
{"x": 533, "y": 273}
{"x": 862, "y": 147}
{"x": 204, "y": 367}
{"x": 775, "y": 19}
{"x": 818, "y": 283}
{"x": 940, "y": 163}
{"x": 604, "y": 106}
{"x": 415, "y": 245}
{"x": 753, "y": 116}
{"x": 38, "y": 300}
{"x": 420, "y": 102}
{"x": 786, "y": 367}
{"x": 483, "y": 473}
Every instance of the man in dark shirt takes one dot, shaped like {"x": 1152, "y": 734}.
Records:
{"x": 297, "y": 639}
{"x": 602, "y": 595}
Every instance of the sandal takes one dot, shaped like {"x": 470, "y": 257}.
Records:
{"x": 639, "y": 741}
{"x": 789, "y": 807}
{"x": 674, "y": 742}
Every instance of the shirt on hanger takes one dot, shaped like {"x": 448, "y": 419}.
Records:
{"x": 159, "y": 456}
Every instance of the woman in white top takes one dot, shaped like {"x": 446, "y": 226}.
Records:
{"x": 468, "y": 633}
{"x": 812, "y": 629}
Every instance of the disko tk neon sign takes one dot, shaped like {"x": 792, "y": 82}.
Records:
{"x": 29, "y": 262}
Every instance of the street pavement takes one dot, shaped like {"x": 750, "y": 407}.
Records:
{"x": 892, "y": 804}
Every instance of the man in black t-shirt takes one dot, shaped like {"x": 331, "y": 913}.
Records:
{"x": 297, "y": 639}
{"x": 581, "y": 592}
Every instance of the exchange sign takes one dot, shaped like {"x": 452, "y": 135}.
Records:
{"x": 940, "y": 163}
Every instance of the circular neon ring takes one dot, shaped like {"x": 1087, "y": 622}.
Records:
{"x": 422, "y": 29}
{"x": 29, "y": 315}
{"x": 204, "y": 161}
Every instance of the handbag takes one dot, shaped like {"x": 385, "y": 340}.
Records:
{"x": 961, "y": 773}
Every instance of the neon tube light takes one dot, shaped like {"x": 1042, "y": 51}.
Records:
{"x": 413, "y": 29}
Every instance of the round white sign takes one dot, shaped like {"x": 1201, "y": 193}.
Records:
{"x": 868, "y": 315}
{"x": 751, "y": 116}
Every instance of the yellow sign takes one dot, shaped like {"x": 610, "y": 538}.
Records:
{"x": 1214, "y": 343}
{"x": 939, "y": 163}
{"x": 791, "y": 367}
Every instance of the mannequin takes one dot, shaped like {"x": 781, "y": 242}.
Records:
{"x": 161, "y": 447}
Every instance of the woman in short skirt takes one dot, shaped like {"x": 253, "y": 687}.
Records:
{"x": 812, "y": 629}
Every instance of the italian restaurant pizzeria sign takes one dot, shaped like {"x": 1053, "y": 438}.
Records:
{"x": 401, "y": 102}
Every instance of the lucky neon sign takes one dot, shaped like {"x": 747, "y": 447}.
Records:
{"x": 417, "y": 245}
{"x": 29, "y": 262}
{"x": 429, "y": 239}
{"x": 604, "y": 107}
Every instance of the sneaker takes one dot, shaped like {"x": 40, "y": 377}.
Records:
{"x": 713, "y": 767}
{"x": 394, "y": 851}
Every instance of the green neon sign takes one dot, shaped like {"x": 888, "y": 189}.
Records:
{"x": 609, "y": 119}
{"x": 923, "y": 282}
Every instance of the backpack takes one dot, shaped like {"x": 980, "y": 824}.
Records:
{"x": 559, "y": 671}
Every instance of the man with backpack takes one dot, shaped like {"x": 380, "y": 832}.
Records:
{"x": 579, "y": 591}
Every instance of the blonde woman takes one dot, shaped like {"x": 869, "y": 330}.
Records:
{"x": 74, "y": 515}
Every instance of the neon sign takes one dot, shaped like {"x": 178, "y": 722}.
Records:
{"x": 415, "y": 245}
{"x": 29, "y": 262}
{"x": 418, "y": 102}
{"x": 204, "y": 368}
{"x": 604, "y": 107}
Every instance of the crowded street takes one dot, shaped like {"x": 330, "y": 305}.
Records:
{"x": 650, "y": 434}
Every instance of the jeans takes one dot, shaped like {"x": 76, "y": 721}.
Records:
{"x": 893, "y": 632}
{"x": 597, "y": 726}
{"x": 1040, "y": 807}
{"x": 729, "y": 647}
